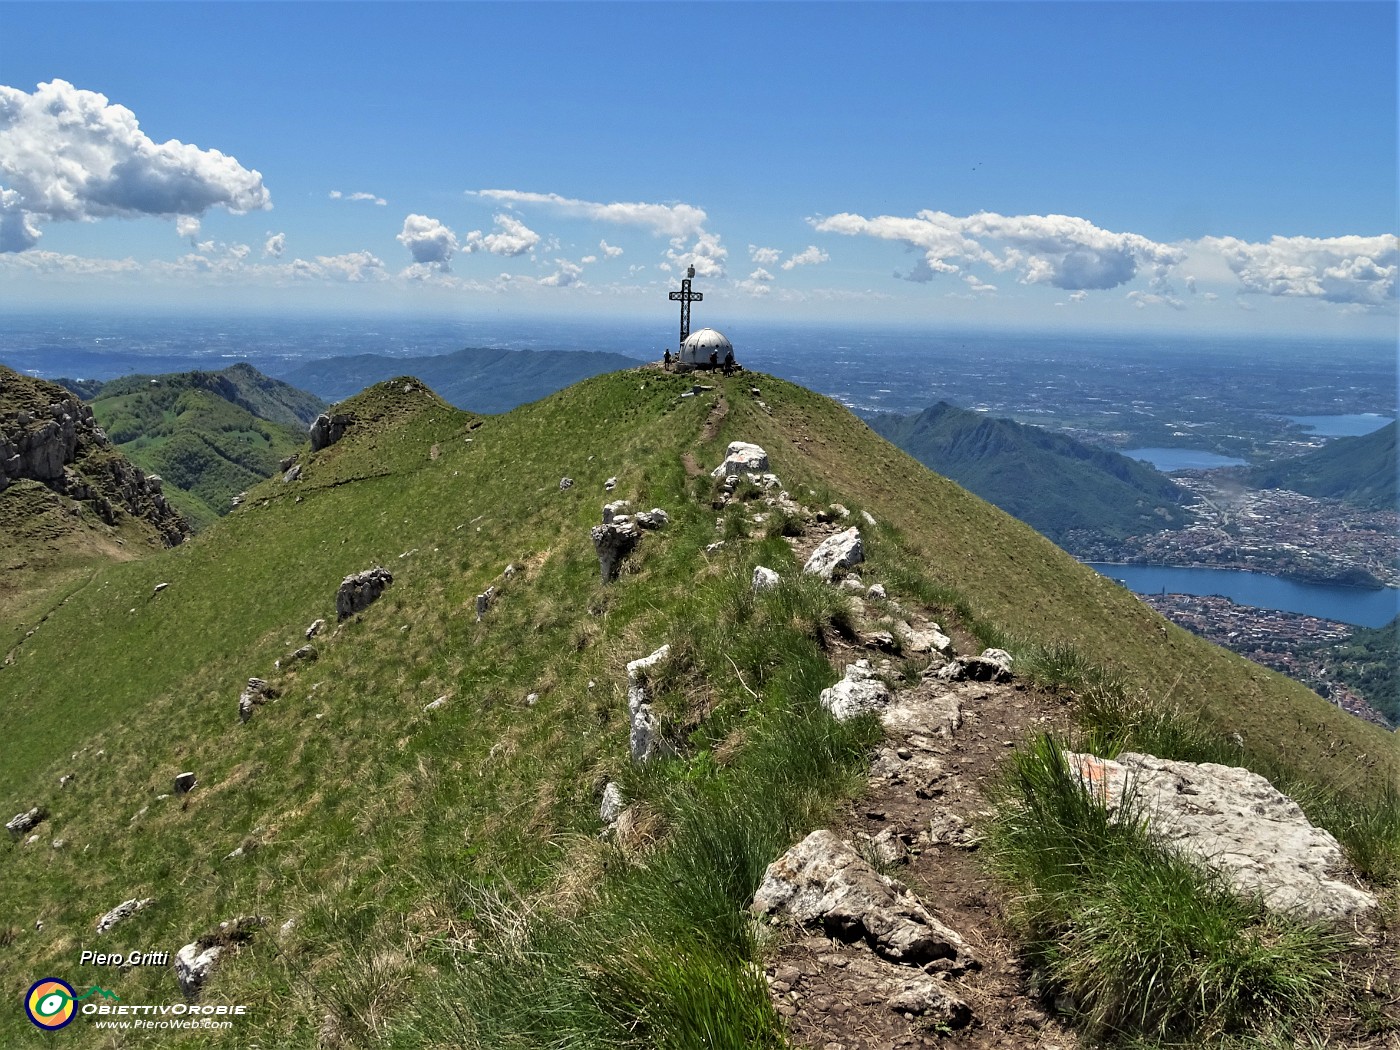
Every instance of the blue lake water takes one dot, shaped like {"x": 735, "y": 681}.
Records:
{"x": 1354, "y": 425}
{"x": 1346, "y": 604}
{"x": 1169, "y": 459}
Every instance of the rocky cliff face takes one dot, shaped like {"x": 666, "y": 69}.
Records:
{"x": 48, "y": 435}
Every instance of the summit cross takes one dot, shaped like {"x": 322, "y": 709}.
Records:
{"x": 685, "y": 297}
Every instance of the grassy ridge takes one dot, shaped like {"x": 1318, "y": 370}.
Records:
{"x": 1362, "y": 470}
{"x": 424, "y": 857}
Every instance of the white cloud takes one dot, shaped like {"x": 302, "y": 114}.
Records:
{"x": 1059, "y": 250}
{"x": 1142, "y": 300}
{"x": 671, "y": 220}
{"x": 336, "y": 195}
{"x": 186, "y": 226}
{"x": 978, "y": 285}
{"x": 429, "y": 241}
{"x": 1209, "y": 297}
{"x": 40, "y": 261}
{"x": 275, "y": 245}
{"x": 567, "y": 274}
{"x": 809, "y": 256}
{"x": 707, "y": 255}
{"x": 764, "y": 256}
{"x": 1078, "y": 297}
{"x": 352, "y": 267}
{"x": 1351, "y": 269}
{"x": 512, "y": 237}
{"x": 610, "y": 251}
{"x": 760, "y": 274}
{"x": 70, "y": 155}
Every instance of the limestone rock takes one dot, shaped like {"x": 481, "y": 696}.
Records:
{"x": 742, "y": 457}
{"x": 644, "y": 738}
{"x": 315, "y": 629}
{"x": 612, "y": 805}
{"x": 764, "y": 579}
{"x": 1236, "y": 822}
{"x": 436, "y": 705}
{"x": 25, "y": 822}
{"x": 612, "y": 543}
{"x": 255, "y": 694}
{"x": 306, "y": 652}
{"x": 655, "y": 518}
{"x": 359, "y": 590}
{"x": 293, "y": 472}
{"x": 327, "y": 430}
{"x": 184, "y": 783}
{"x": 615, "y": 508}
{"x": 994, "y": 665}
{"x": 926, "y": 640}
{"x": 483, "y": 602}
{"x": 565, "y": 483}
{"x": 124, "y": 910}
{"x": 823, "y": 881}
{"x": 876, "y": 591}
{"x": 193, "y": 965}
{"x": 858, "y": 692}
{"x": 841, "y": 551}
{"x": 610, "y": 484}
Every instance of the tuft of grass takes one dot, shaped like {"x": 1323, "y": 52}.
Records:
{"x": 1139, "y": 941}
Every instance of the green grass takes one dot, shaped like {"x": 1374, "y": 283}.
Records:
{"x": 1137, "y": 940}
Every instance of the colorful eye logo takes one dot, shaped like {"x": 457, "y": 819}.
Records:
{"x": 49, "y": 1003}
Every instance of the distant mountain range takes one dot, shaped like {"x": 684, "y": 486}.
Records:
{"x": 477, "y": 379}
{"x": 209, "y": 435}
{"x": 1360, "y": 470}
{"x": 1061, "y": 487}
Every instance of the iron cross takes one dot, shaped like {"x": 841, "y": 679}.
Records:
{"x": 685, "y": 296}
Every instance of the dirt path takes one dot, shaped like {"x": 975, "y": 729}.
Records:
{"x": 708, "y": 433}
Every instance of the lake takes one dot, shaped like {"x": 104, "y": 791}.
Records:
{"x": 1170, "y": 459}
{"x": 1345, "y": 604}
{"x": 1354, "y": 425}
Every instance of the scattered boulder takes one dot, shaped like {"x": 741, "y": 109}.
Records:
{"x": 359, "y": 590}
{"x": 742, "y": 457}
{"x": 315, "y": 629}
{"x": 1234, "y": 822}
{"x": 612, "y": 543}
{"x": 823, "y": 881}
{"x": 652, "y": 519}
{"x": 123, "y": 911}
{"x": 644, "y": 738}
{"x": 437, "y": 704}
{"x": 21, "y": 823}
{"x": 610, "y": 484}
{"x": 483, "y": 602}
{"x": 877, "y": 591}
{"x": 193, "y": 965}
{"x": 858, "y": 692}
{"x": 184, "y": 783}
{"x": 293, "y": 472}
{"x": 615, "y": 508}
{"x": 255, "y": 694}
{"x": 158, "y": 588}
{"x": 834, "y": 512}
{"x": 866, "y": 517}
{"x": 923, "y": 640}
{"x": 327, "y": 430}
{"x": 306, "y": 652}
{"x": 565, "y": 483}
{"x": 994, "y": 665}
{"x": 612, "y": 805}
{"x": 841, "y": 551}
{"x": 764, "y": 579}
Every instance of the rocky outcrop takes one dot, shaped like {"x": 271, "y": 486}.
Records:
{"x": 254, "y": 695}
{"x": 49, "y": 436}
{"x": 328, "y": 429}
{"x": 123, "y": 911}
{"x": 994, "y": 665}
{"x": 656, "y": 518}
{"x": 23, "y": 823}
{"x": 822, "y": 881}
{"x": 612, "y": 804}
{"x": 1234, "y": 822}
{"x": 859, "y": 692}
{"x": 184, "y": 783}
{"x": 764, "y": 579}
{"x": 742, "y": 457}
{"x": 841, "y": 551}
{"x": 644, "y": 738}
{"x": 193, "y": 965}
{"x": 360, "y": 590}
{"x": 612, "y": 543}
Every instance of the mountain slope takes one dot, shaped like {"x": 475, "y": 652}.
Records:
{"x": 383, "y": 839}
{"x": 1057, "y": 485}
{"x": 209, "y": 435}
{"x": 1361, "y": 470}
{"x": 481, "y": 380}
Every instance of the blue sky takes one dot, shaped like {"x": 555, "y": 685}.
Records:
{"x": 1213, "y": 167}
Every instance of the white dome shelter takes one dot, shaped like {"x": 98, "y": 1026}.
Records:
{"x": 697, "y": 346}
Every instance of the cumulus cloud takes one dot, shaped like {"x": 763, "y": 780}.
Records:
{"x": 610, "y": 251}
{"x": 336, "y": 195}
{"x": 186, "y": 226}
{"x": 760, "y": 274}
{"x": 429, "y": 241}
{"x": 352, "y": 267}
{"x": 670, "y": 220}
{"x": 68, "y": 155}
{"x": 1142, "y": 300}
{"x": 1078, "y": 297}
{"x": 567, "y": 274}
{"x": 1059, "y": 250}
{"x": 706, "y": 254}
{"x": 1351, "y": 270}
{"x": 809, "y": 256}
{"x": 512, "y": 237}
{"x": 275, "y": 245}
{"x": 978, "y": 285}
{"x": 764, "y": 256}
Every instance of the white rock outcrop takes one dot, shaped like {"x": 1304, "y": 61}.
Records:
{"x": 742, "y": 457}
{"x": 612, "y": 805}
{"x": 644, "y": 737}
{"x": 359, "y": 590}
{"x": 612, "y": 543}
{"x": 1236, "y": 823}
{"x": 193, "y": 965}
{"x": 841, "y": 551}
{"x": 860, "y": 691}
{"x": 823, "y": 881}
{"x": 764, "y": 579}
{"x": 123, "y": 911}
